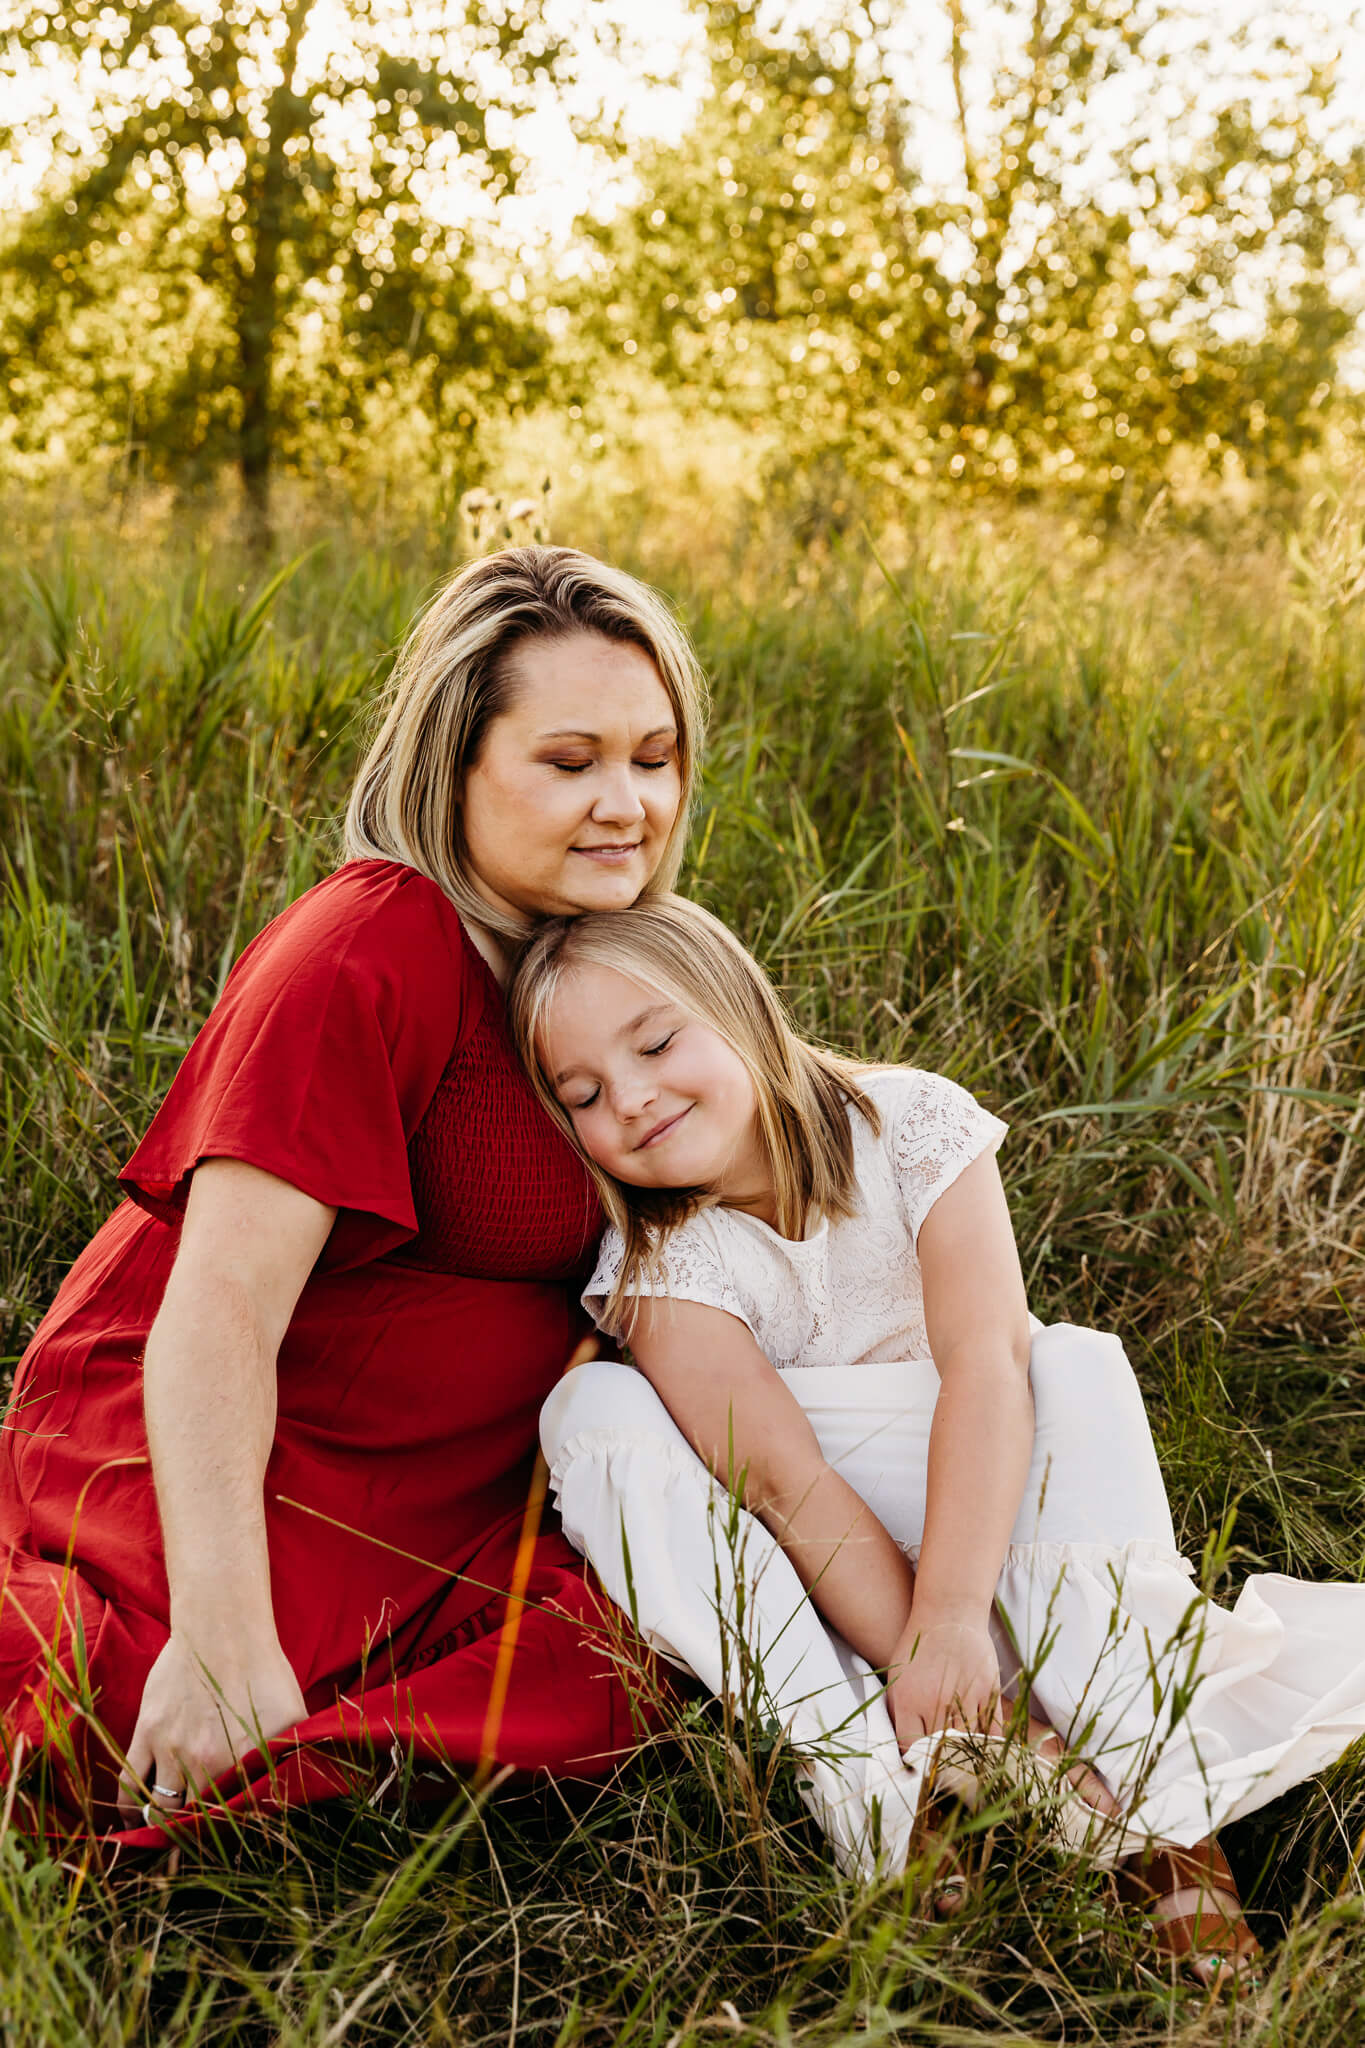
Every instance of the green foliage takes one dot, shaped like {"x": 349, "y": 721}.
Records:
{"x": 277, "y": 244}
{"x": 648, "y": 1912}
{"x": 1082, "y": 829}
{"x": 245, "y": 254}
{"x": 1080, "y": 308}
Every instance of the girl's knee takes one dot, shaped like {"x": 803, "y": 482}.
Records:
{"x": 1094, "y": 1476}
{"x": 1088, "y": 1372}
{"x": 603, "y": 1397}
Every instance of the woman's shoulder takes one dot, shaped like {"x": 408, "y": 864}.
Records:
{"x": 321, "y": 1057}
{"x": 382, "y": 901}
{"x": 371, "y": 918}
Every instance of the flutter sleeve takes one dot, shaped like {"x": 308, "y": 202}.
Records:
{"x": 692, "y": 1268}
{"x": 321, "y": 1056}
{"x": 934, "y": 1130}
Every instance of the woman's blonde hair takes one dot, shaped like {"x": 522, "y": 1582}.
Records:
{"x": 677, "y": 950}
{"x": 456, "y": 673}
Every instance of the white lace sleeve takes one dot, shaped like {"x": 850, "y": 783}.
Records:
{"x": 692, "y": 1269}
{"x": 934, "y": 1131}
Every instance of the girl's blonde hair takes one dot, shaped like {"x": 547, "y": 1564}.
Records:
{"x": 677, "y": 950}
{"x": 456, "y": 673}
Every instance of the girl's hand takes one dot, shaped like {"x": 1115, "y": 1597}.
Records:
{"x": 192, "y": 1727}
{"x": 947, "y": 1675}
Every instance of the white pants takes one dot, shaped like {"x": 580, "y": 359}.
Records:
{"x": 1192, "y": 1714}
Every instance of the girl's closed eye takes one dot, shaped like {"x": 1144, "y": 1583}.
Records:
{"x": 656, "y": 1097}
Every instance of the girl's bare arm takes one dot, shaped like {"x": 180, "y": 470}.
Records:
{"x": 979, "y": 1452}
{"x": 748, "y": 1427}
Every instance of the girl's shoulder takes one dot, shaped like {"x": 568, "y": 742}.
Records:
{"x": 901, "y": 1092}
{"x": 931, "y": 1129}
{"x": 695, "y": 1262}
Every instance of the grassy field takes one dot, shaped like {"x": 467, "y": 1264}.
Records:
{"x": 1078, "y": 823}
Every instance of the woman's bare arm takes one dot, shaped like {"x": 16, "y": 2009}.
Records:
{"x": 248, "y": 1244}
{"x": 730, "y": 1403}
{"x": 979, "y": 1451}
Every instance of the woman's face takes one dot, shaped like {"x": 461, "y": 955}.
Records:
{"x": 658, "y": 1098}
{"x": 577, "y": 785}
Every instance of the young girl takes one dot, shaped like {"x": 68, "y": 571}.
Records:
{"x": 813, "y": 1266}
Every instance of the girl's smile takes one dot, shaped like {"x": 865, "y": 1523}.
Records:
{"x": 662, "y": 1131}
{"x": 657, "y": 1098}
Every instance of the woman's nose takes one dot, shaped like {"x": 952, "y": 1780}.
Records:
{"x": 617, "y": 801}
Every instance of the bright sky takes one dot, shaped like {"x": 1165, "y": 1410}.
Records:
{"x": 656, "y": 88}
{"x": 1330, "y": 29}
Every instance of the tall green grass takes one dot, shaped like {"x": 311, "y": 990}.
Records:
{"x": 1083, "y": 827}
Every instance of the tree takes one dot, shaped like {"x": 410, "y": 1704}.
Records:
{"x": 1100, "y": 282}
{"x": 258, "y": 193}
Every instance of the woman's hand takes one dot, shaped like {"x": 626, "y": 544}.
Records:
{"x": 947, "y": 1676}
{"x": 203, "y": 1709}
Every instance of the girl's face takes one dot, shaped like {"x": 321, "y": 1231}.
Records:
{"x": 657, "y": 1098}
{"x": 577, "y": 785}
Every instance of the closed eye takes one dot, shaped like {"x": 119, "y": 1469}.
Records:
{"x": 587, "y": 1102}
{"x": 582, "y": 767}
{"x": 649, "y": 1051}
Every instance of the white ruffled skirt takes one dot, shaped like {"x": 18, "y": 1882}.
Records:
{"x": 1193, "y": 1713}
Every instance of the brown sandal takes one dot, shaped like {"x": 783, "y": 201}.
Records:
{"x": 1194, "y": 1912}
{"x": 938, "y": 1828}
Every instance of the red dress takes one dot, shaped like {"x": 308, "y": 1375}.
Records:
{"x": 360, "y": 1052}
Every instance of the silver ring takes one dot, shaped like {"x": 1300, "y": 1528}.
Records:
{"x": 168, "y": 1791}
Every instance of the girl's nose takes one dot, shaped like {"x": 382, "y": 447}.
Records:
{"x": 633, "y": 1098}
{"x": 617, "y": 801}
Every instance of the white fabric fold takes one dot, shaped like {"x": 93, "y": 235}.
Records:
{"x": 1193, "y": 1713}
{"x": 709, "y": 1589}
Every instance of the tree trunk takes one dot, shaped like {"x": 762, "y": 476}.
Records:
{"x": 267, "y": 203}
{"x": 256, "y": 348}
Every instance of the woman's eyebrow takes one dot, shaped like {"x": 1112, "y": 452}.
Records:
{"x": 573, "y": 732}
{"x": 626, "y": 1031}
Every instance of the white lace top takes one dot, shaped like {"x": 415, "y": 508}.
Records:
{"x": 848, "y": 1293}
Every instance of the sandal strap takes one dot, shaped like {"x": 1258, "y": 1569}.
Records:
{"x": 1168, "y": 1869}
{"x": 1197, "y": 1904}
{"x": 1193, "y": 1907}
{"x": 1190, "y": 1934}
{"x": 936, "y": 1824}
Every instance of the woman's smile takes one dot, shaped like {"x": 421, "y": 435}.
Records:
{"x": 611, "y": 856}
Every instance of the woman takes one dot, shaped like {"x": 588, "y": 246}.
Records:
{"x": 267, "y": 1457}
